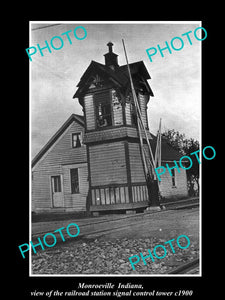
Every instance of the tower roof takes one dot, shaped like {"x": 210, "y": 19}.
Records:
{"x": 112, "y": 71}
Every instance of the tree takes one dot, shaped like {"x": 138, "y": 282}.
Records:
{"x": 185, "y": 147}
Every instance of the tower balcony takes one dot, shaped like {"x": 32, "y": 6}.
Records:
{"x": 112, "y": 133}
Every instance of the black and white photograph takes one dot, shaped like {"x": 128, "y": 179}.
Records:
{"x": 116, "y": 158}
{"x": 115, "y": 131}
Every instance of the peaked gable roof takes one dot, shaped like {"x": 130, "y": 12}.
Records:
{"x": 119, "y": 75}
{"x": 74, "y": 117}
{"x": 137, "y": 67}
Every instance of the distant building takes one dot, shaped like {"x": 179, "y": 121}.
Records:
{"x": 93, "y": 162}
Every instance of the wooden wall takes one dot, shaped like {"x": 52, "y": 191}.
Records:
{"x": 167, "y": 189}
{"x": 138, "y": 182}
{"x": 128, "y": 113}
{"x": 76, "y": 201}
{"x": 139, "y": 193}
{"x": 143, "y": 107}
{"x": 89, "y": 112}
{"x": 107, "y": 164}
{"x": 117, "y": 111}
{"x": 136, "y": 165}
{"x": 57, "y": 161}
{"x": 108, "y": 174}
{"x": 111, "y": 177}
{"x": 110, "y": 195}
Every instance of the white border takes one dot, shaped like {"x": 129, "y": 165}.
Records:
{"x": 30, "y": 172}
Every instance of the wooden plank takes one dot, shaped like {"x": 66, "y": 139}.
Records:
{"x": 117, "y": 195}
{"x": 122, "y": 194}
{"x": 128, "y": 113}
{"x": 143, "y": 108}
{"x": 89, "y": 111}
{"x": 102, "y": 194}
{"x": 136, "y": 165}
{"x": 109, "y": 134}
{"x": 107, "y": 196}
{"x": 93, "y": 197}
{"x": 76, "y": 201}
{"x": 141, "y": 193}
{"x": 127, "y": 195}
{"x": 128, "y": 169}
{"x": 97, "y": 197}
{"x": 138, "y": 193}
{"x": 62, "y": 152}
{"x": 112, "y": 196}
{"x": 134, "y": 194}
{"x": 107, "y": 164}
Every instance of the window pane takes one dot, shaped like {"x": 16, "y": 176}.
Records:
{"x": 173, "y": 181}
{"x": 76, "y": 140}
{"x": 78, "y": 144}
{"x": 56, "y": 184}
{"x": 74, "y": 181}
{"x": 173, "y": 177}
{"x": 103, "y": 109}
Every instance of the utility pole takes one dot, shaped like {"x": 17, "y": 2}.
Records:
{"x": 148, "y": 161}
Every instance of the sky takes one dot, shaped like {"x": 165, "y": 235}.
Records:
{"x": 175, "y": 78}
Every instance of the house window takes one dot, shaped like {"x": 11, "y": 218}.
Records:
{"x": 103, "y": 110}
{"x": 173, "y": 177}
{"x": 56, "y": 184}
{"x": 76, "y": 140}
{"x": 74, "y": 181}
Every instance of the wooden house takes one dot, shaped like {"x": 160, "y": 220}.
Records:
{"x": 94, "y": 162}
{"x": 60, "y": 172}
{"x": 175, "y": 186}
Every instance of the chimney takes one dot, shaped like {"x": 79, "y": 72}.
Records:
{"x": 111, "y": 58}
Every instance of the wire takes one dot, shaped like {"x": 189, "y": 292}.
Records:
{"x": 37, "y": 28}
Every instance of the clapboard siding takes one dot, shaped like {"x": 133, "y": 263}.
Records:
{"x": 113, "y": 133}
{"x": 128, "y": 113}
{"x": 57, "y": 161}
{"x": 107, "y": 164}
{"x": 41, "y": 188}
{"x": 89, "y": 111}
{"x": 143, "y": 108}
{"x": 76, "y": 201}
{"x": 180, "y": 189}
{"x": 136, "y": 165}
{"x": 62, "y": 152}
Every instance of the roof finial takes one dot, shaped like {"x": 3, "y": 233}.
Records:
{"x": 110, "y": 44}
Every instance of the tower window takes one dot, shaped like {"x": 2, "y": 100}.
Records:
{"x": 133, "y": 115}
{"x": 103, "y": 110}
{"x": 76, "y": 140}
{"x": 173, "y": 178}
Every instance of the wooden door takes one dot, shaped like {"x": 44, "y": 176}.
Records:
{"x": 57, "y": 194}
